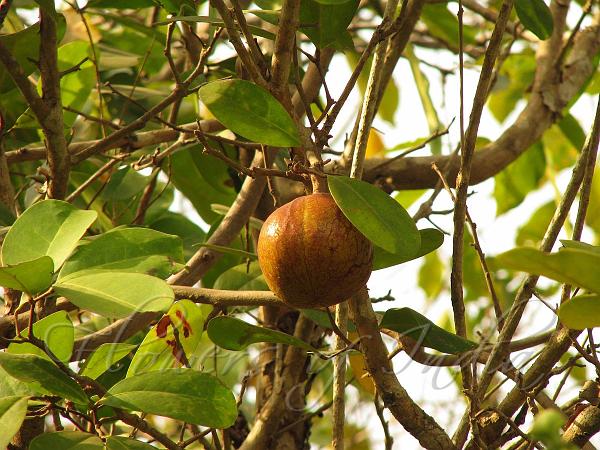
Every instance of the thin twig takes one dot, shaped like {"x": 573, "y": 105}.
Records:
{"x": 388, "y": 439}
{"x": 414, "y": 148}
{"x": 481, "y": 256}
{"x": 467, "y": 151}
{"x": 181, "y": 90}
{"x": 255, "y": 52}
{"x": 236, "y": 41}
{"x": 101, "y": 171}
{"x": 94, "y": 59}
{"x": 146, "y": 199}
{"x": 561, "y": 339}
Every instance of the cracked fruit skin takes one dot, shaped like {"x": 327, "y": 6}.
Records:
{"x": 311, "y": 255}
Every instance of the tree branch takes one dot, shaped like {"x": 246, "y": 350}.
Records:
{"x": 370, "y": 103}
{"x": 562, "y": 339}
{"x": 537, "y": 117}
{"x": 585, "y": 425}
{"x": 411, "y": 172}
{"x": 231, "y": 225}
{"x": 7, "y": 191}
{"x": 283, "y": 51}
{"x": 131, "y": 140}
{"x": 224, "y": 298}
{"x": 52, "y": 122}
{"x": 244, "y": 205}
{"x": 236, "y": 41}
{"x": 422, "y": 426}
{"x": 270, "y": 415}
{"x": 464, "y": 174}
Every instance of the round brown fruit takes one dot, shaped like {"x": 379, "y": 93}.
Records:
{"x": 311, "y": 255}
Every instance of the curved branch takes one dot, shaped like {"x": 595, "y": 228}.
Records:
{"x": 418, "y": 423}
{"x": 132, "y": 140}
{"x": 540, "y": 113}
{"x": 585, "y": 425}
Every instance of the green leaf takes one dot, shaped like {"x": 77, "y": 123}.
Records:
{"x": 443, "y": 24}
{"x": 512, "y": 185}
{"x": 225, "y": 262}
{"x": 104, "y": 357}
{"x": 56, "y": 330}
{"x": 430, "y": 240}
{"x": 547, "y": 428}
{"x": 325, "y": 23}
{"x": 391, "y": 96}
{"x": 242, "y": 278}
{"x": 48, "y": 228}
{"x": 12, "y": 414}
{"x": 431, "y": 275}
{"x": 593, "y": 87}
{"x": 31, "y": 277}
{"x": 268, "y": 15}
{"x": 532, "y": 232}
{"x": 572, "y": 266}
{"x": 580, "y": 245}
{"x": 558, "y": 148}
{"x": 536, "y": 17}
{"x": 188, "y": 173}
{"x": 177, "y": 224}
{"x": 182, "y": 394}
{"x": 408, "y": 198}
{"x": 67, "y": 440}
{"x": 24, "y": 45}
{"x": 473, "y": 279}
{"x": 33, "y": 368}
{"x": 115, "y": 294}
{"x": 423, "y": 87}
{"x": 124, "y": 184}
{"x": 175, "y": 6}
{"x": 10, "y": 386}
{"x": 410, "y": 323}
{"x": 516, "y": 74}
{"x": 250, "y": 111}
{"x": 592, "y": 219}
{"x": 75, "y": 86}
{"x": 581, "y": 312}
{"x": 163, "y": 347}
{"x": 235, "y": 334}
{"x": 123, "y": 443}
{"x": 376, "y": 215}
{"x": 137, "y": 250}
{"x": 322, "y": 319}
{"x": 572, "y": 130}
{"x": 7, "y": 217}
